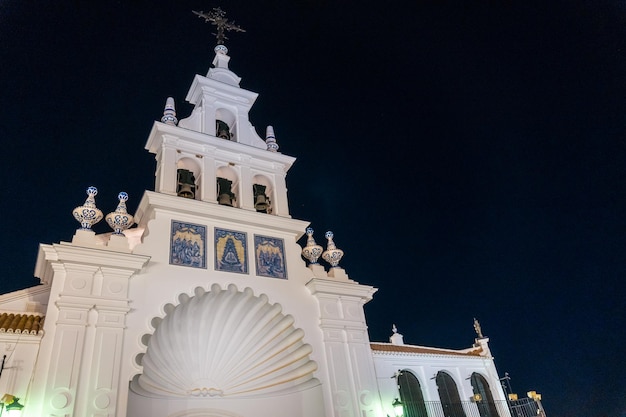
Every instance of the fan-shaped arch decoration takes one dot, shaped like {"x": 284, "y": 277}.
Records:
{"x": 225, "y": 343}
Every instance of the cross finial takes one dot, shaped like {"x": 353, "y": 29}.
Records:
{"x": 217, "y": 18}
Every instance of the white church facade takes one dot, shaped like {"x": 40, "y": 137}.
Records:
{"x": 208, "y": 307}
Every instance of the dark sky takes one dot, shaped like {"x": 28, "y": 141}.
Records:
{"x": 468, "y": 155}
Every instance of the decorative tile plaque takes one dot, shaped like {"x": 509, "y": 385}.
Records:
{"x": 269, "y": 254}
{"x": 231, "y": 253}
{"x": 188, "y": 245}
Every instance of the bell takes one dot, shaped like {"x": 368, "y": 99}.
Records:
{"x": 186, "y": 184}
{"x": 224, "y": 200}
{"x": 186, "y": 191}
{"x": 261, "y": 203}
{"x": 225, "y": 196}
{"x": 222, "y": 130}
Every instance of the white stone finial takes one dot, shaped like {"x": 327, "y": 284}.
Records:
{"x": 396, "y": 338}
{"x": 169, "y": 114}
{"x": 270, "y": 139}
{"x": 120, "y": 220}
{"x": 88, "y": 214}
{"x": 332, "y": 255}
{"x": 221, "y": 57}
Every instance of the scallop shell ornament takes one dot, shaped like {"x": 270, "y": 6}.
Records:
{"x": 225, "y": 343}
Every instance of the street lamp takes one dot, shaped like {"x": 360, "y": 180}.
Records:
{"x": 537, "y": 398}
{"x": 398, "y": 407}
{"x": 11, "y": 404}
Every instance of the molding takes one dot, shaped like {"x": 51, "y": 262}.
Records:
{"x": 321, "y": 287}
{"x": 152, "y": 202}
{"x": 98, "y": 257}
{"x": 217, "y": 148}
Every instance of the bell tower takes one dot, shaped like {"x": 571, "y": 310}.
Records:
{"x": 215, "y": 154}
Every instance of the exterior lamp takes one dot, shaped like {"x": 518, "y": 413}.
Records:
{"x": 476, "y": 398}
{"x": 534, "y": 395}
{"x": 512, "y": 397}
{"x": 398, "y": 407}
{"x": 537, "y": 397}
{"x": 11, "y": 404}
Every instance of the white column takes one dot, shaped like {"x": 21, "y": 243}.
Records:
{"x": 166, "y": 168}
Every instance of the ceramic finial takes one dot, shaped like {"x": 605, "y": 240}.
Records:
{"x": 120, "y": 220}
{"x": 332, "y": 255}
{"x": 169, "y": 114}
{"x": 88, "y": 214}
{"x": 270, "y": 139}
{"x": 312, "y": 250}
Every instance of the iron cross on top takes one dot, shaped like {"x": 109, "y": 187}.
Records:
{"x": 217, "y": 17}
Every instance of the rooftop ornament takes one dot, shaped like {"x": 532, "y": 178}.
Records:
{"x": 120, "y": 220}
{"x": 312, "y": 251}
{"x": 478, "y": 329}
{"x": 88, "y": 214}
{"x": 332, "y": 255}
{"x": 217, "y": 18}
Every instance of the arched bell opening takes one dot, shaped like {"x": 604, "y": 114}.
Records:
{"x": 187, "y": 178}
{"x": 227, "y": 186}
{"x": 225, "y": 126}
{"x": 263, "y": 194}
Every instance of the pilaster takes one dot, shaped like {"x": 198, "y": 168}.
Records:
{"x": 350, "y": 366}
{"x": 80, "y": 358}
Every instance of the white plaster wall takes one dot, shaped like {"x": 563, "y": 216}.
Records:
{"x": 21, "y": 354}
{"x": 309, "y": 403}
{"x": 425, "y": 368}
{"x": 160, "y": 283}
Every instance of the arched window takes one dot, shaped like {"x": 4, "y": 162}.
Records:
{"x": 449, "y": 396}
{"x": 411, "y": 395}
{"x": 486, "y": 405}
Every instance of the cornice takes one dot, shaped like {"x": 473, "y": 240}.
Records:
{"x": 319, "y": 286}
{"x": 153, "y": 202}
{"x": 210, "y": 146}
{"x": 66, "y": 252}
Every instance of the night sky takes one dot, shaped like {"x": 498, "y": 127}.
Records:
{"x": 468, "y": 155}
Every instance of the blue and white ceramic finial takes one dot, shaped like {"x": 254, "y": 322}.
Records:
{"x": 270, "y": 139}
{"x": 169, "y": 114}
{"x": 332, "y": 255}
{"x": 120, "y": 220}
{"x": 312, "y": 250}
{"x": 88, "y": 214}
